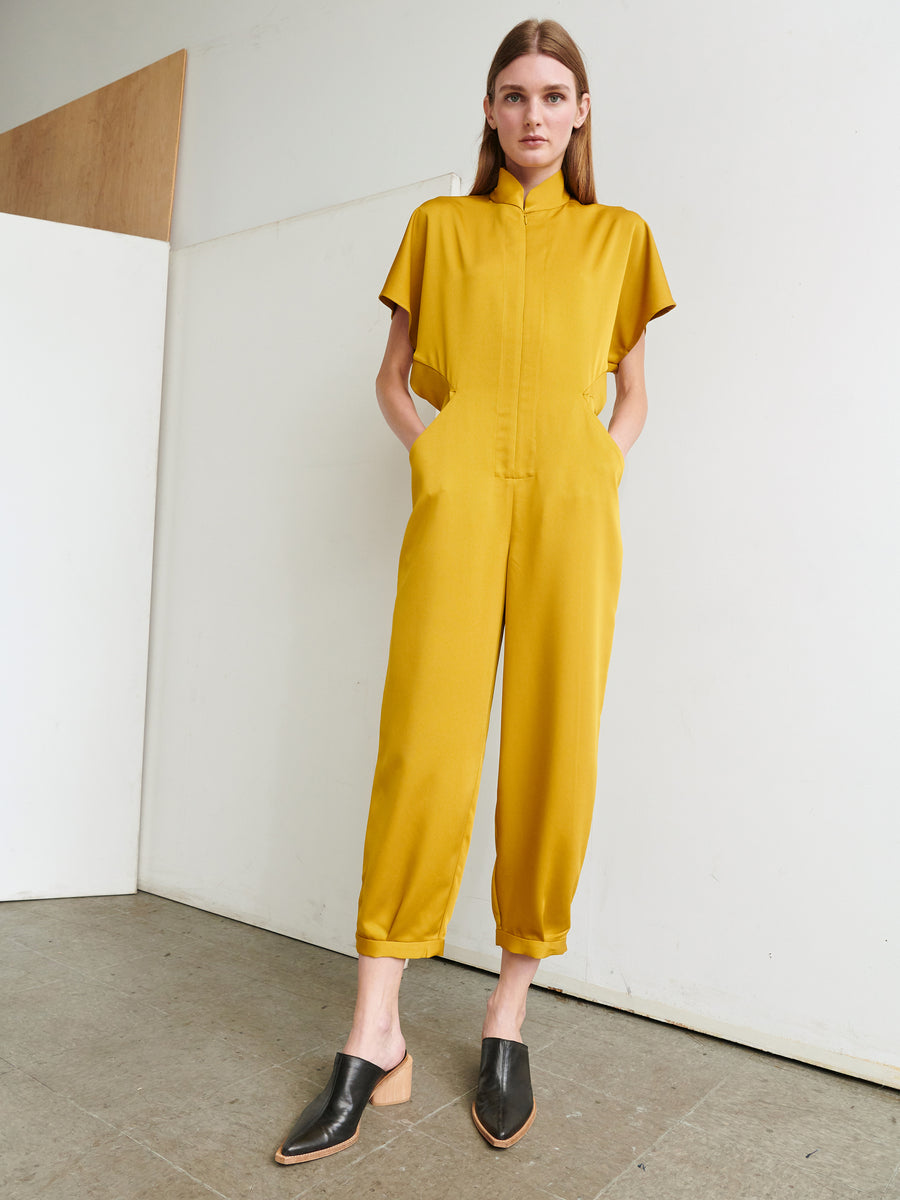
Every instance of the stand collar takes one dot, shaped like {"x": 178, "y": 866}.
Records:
{"x": 549, "y": 194}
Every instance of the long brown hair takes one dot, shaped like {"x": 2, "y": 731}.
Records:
{"x": 539, "y": 37}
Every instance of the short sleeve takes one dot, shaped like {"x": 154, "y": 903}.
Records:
{"x": 644, "y": 294}
{"x": 403, "y": 285}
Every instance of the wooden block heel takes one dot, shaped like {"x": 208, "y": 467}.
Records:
{"x": 396, "y": 1087}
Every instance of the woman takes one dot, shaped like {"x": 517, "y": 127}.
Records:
{"x": 510, "y": 306}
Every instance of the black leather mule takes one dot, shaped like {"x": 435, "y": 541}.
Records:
{"x": 331, "y": 1122}
{"x": 504, "y": 1105}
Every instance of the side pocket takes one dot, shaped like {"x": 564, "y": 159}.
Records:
{"x": 428, "y": 431}
{"x": 617, "y": 450}
{"x": 607, "y": 437}
{"x": 424, "y": 434}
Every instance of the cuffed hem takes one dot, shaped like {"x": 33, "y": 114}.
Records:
{"x": 381, "y": 949}
{"x": 534, "y": 949}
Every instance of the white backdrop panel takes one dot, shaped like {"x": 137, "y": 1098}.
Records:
{"x": 82, "y": 316}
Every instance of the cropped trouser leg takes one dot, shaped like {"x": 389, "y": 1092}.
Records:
{"x": 445, "y": 644}
{"x": 562, "y": 588}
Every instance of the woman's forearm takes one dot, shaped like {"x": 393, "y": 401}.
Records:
{"x": 630, "y": 409}
{"x": 391, "y": 383}
{"x": 628, "y": 417}
{"x": 398, "y": 408}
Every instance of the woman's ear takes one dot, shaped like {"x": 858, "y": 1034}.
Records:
{"x": 487, "y": 111}
{"x": 584, "y": 107}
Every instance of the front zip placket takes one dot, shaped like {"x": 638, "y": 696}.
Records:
{"x": 525, "y": 233}
{"x": 512, "y": 222}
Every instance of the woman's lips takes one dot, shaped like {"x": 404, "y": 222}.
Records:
{"x": 533, "y": 141}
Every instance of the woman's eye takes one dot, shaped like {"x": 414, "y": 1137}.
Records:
{"x": 554, "y": 97}
{"x": 513, "y": 96}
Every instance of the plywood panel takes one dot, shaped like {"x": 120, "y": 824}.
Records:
{"x": 106, "y": 161}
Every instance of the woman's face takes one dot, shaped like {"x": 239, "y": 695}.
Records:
{"x": 536, "y": 106}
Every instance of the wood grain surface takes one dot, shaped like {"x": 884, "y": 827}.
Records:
{"x": 106, "y": 160}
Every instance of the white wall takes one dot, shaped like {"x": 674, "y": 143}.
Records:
{"x": 81, "y": 344}
{"x": 742, "y": 873}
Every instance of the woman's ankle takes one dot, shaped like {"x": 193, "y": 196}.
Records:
{"x": 383, "y": 1046}
{"x": 504, "y": 1017}
{"x": 375, "y": 1033}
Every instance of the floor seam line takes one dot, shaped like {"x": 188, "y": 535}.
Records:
{"x": 440, "y": 1108}
{"x": 174, "y": 1166}
{"x": 68, "y": 1100}
{"x": 682, "y": 1120}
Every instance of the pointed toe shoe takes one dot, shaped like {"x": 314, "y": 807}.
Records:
{"x": 330, "y": 1122}
{"x": 504, "y": 1106}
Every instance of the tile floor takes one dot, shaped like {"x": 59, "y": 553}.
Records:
{"x": 150, "y": 1050}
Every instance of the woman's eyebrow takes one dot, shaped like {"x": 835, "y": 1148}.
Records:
{"x": 518, "y": 87}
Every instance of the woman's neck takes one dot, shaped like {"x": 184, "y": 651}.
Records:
{"x": 531, "y": 178}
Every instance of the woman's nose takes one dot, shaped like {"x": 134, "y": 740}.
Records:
{"x": 533, "y": 113}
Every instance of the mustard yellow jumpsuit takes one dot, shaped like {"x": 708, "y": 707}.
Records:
{"x": 517, "y": 312}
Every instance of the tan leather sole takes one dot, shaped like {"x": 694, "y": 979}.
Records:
{"x": 510, "y": 1141}
{"x": 295, "y": 1158}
